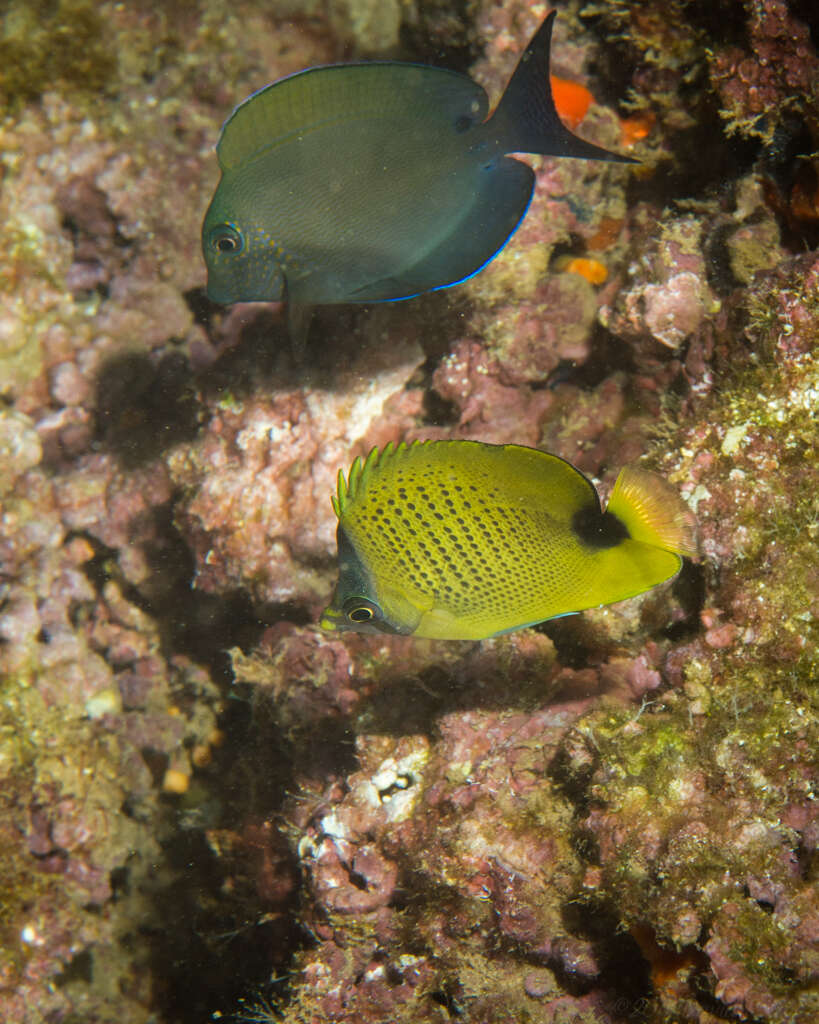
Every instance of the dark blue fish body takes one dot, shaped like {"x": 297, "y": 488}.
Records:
{"x": 374, "y": 182}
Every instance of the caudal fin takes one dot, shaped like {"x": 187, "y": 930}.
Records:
{"x": 526, "y": 119}
{"x": 653, "y": 512}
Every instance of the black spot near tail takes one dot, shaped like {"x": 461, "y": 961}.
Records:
{"x": 598, "y": 529}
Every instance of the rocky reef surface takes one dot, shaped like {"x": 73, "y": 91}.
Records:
{"x": 210, "y": 808}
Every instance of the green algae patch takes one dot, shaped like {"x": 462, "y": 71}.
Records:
{"x": 657, "y": 754}
{"x": 698, "y": 806}
{"x": 22, "y": 883}
{"x": 689, "y": 811}
{"x": 44, "y": 45}
{"x": 35, "y": 773}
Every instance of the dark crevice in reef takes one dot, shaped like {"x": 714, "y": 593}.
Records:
{"x": 702, "y": 157}
{"x": 624, "y": 972}
{"x": 689, "y": 589}
{"x": 211, "y": 936}
{"x": 718, "y": 271}
{"x": 442, "y": 34}
{"x": 438, "y": 411}
{"x": 703, "y": 160}
{"x": 807, "y": 11}
{"x": 789, "y": 177}
{"x": 211, "y": 944}
{"x": 608, "y": 355}
{"x": 229, "y": 883}
{"x": 619, "y": 52}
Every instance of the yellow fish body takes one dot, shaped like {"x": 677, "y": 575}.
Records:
{"x": 461, "y": 540}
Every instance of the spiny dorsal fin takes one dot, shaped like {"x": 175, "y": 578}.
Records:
{"x": 349, "y": 487}
{"x": 653, "y": 511}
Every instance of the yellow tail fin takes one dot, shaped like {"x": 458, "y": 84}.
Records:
{"x": 653, "y": 512}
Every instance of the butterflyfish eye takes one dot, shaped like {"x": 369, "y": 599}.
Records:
{"x": 361, "y": 610}
{"x": 463, "y": 124}
{"x": 226, "y": 239}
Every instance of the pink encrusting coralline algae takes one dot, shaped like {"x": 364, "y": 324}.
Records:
{"x": 209, "y": 806}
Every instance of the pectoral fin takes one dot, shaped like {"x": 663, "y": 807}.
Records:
{"x": 299, "y": 318}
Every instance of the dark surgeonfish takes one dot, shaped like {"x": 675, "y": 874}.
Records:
{"x": 379, "y": 181}
{"x": 460, "y": 540}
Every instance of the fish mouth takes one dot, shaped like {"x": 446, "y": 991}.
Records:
{"x": 226, "y": 288}
{"x": 220, "y": 294}
{"x": 331, "y": 620}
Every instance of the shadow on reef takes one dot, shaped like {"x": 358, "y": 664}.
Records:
{"x": 143, "y": 407}
{"x": 147, "y": 403}
{"x": 564, "y": 660}
{"x": 579, "y": 642}
{"x": 201, "y": 625}
{"x": 253, "y": 349}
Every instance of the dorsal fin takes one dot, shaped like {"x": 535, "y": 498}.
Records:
{"x": 296, "y": 105}
{"x": 349, "y": 487}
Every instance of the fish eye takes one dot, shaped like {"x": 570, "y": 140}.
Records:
{"x": 224, "y": 238}
{"x": 463, "y": 124}
{"x": 359, "y": 609}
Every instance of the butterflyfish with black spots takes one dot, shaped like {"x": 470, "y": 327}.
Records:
{"x": 461, "y": 540}
{"x": 373, "y": 182}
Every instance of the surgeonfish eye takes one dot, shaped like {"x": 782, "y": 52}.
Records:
{"x": 226, "y": 239}
{"x": 425, "y": 189}
{"x": 359, "y": 609}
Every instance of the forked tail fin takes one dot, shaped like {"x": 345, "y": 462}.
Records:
{"x": 526, "y": 119}
{"x": 653, "y": 512}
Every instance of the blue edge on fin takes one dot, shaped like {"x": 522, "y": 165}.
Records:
{"x": 537, "y": 622}
{"x": 477, "y": 270}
